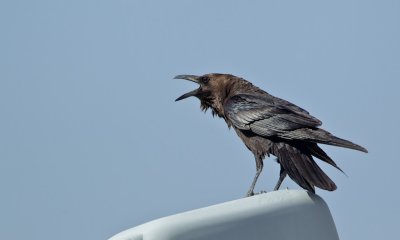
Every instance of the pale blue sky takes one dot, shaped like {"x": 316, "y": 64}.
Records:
{"x": 93, "y": 143}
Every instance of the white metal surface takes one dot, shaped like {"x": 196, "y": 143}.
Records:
{"x": 285, "y": 214}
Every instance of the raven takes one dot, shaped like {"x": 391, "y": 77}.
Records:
{"x": 269, "y": 125}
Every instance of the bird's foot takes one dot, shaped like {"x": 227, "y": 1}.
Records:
{"x": 250, "y": 193}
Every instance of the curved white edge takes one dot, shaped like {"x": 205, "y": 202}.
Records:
{"x": 285, "y": 214}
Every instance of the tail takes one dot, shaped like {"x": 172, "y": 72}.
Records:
{"x": 321, "y": 136}
{"x": 298, "y": 163}
{"x": 317, "y": 152}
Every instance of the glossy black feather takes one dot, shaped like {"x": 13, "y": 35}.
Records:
{"x": 270, "y": 125}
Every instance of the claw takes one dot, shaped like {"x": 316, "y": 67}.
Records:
{"x": 249, "y": 194}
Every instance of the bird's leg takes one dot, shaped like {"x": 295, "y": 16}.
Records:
{"x": 282, "y": 176}
{"x": 259, "y": 167}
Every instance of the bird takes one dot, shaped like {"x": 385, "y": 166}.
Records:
{"x": 269, "y": 125}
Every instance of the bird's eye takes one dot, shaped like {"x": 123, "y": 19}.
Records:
{"x": 204, "y": 80}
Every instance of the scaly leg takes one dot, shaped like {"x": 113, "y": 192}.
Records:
{"x": 282, "y": 176}
{"x": 259, "y": 167}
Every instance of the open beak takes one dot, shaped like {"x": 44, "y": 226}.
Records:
{"x": 192, "y": 78}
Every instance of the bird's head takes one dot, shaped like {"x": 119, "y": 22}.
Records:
{"x": 213, "y": 89}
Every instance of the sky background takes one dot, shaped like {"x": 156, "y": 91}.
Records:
{"x": 92, "y": 142}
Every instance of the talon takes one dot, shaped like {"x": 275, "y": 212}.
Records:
{"x": 249, "y": 194}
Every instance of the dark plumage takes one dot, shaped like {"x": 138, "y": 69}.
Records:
{"x": 270, "y": 125}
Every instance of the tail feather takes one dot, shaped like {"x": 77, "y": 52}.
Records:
{"x": 317, "y": 152}
{"x": 300, "y": 167}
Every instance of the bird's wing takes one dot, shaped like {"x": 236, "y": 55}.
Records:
{"x": 267, "y": 115}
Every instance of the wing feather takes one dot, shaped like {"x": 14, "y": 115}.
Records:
{"x": 267, "y": 115}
